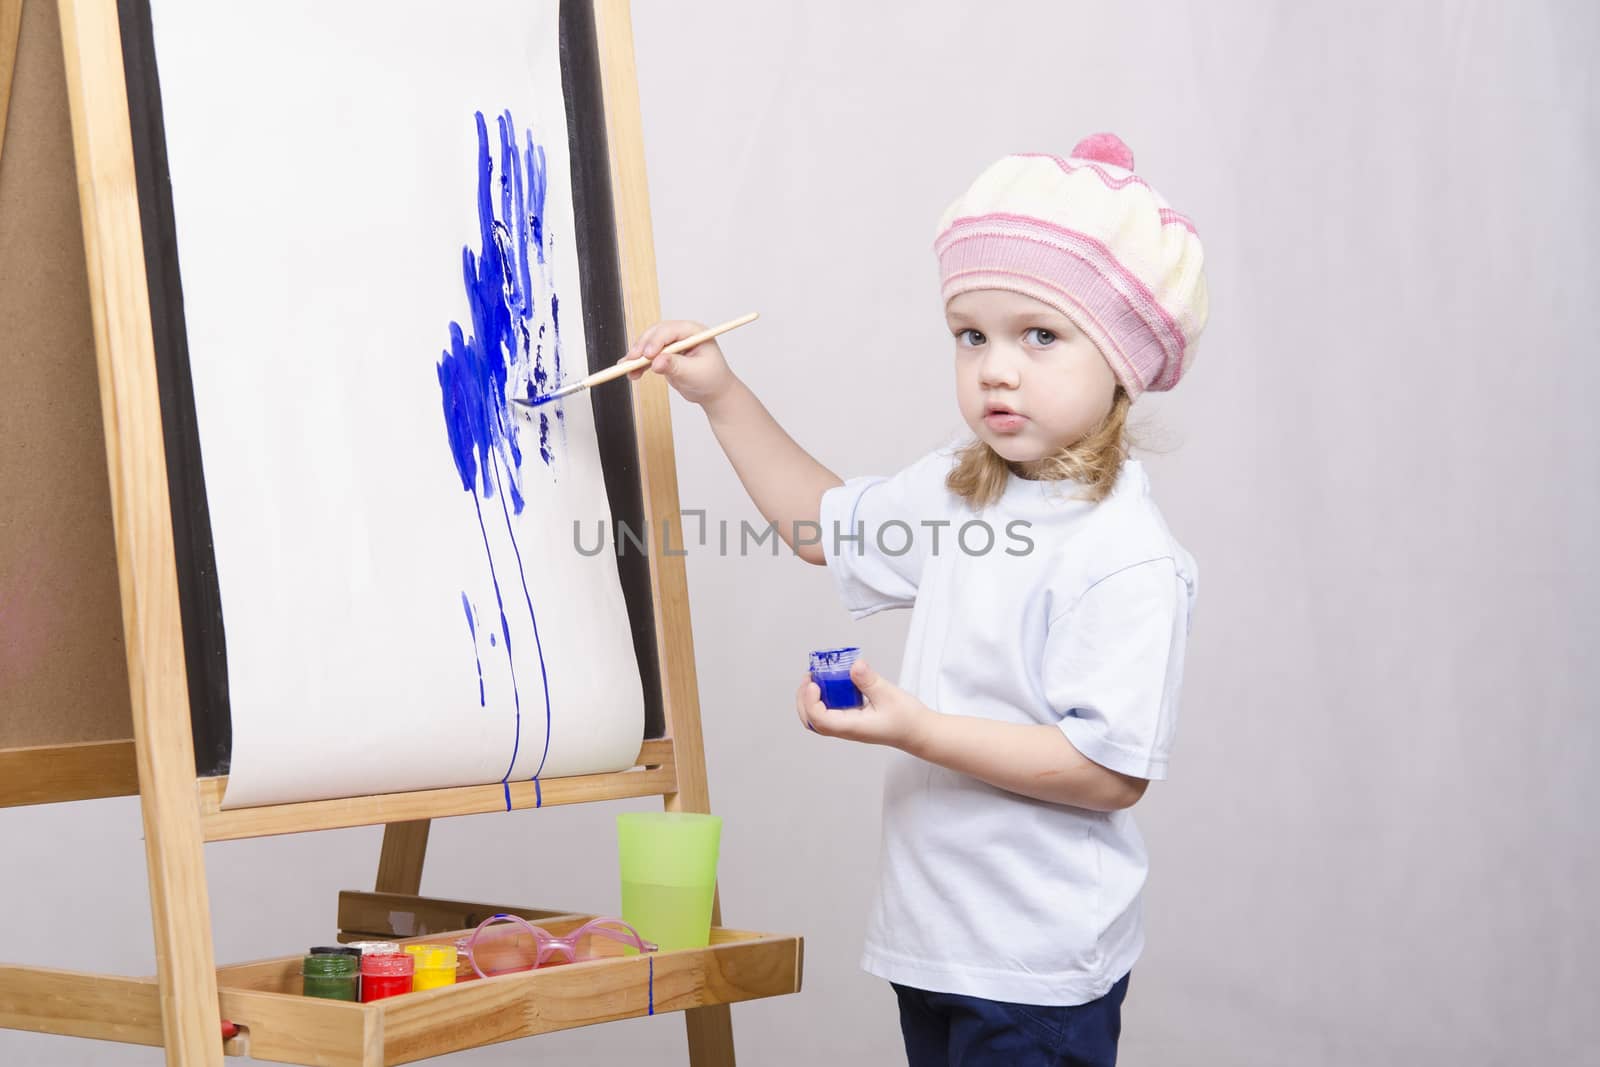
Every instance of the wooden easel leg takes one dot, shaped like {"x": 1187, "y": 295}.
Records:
{"x": 142, "y": 515}
{"x": 710, "y": 1029}
{"x": 191, "y": 1020}
{"x": 405, "y": 845}
{"x": 710, "y": 1034}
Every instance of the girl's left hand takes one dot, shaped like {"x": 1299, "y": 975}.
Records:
{"x": 889, "y": 715}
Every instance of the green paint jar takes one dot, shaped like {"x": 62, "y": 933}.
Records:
{"x": 332, "y": 976}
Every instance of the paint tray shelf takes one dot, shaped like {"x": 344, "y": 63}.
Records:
{"x": 279, "y": 1024}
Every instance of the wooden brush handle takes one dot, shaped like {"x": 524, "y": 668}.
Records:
{"x": 600, "y": 377}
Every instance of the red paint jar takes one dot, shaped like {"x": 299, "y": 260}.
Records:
{"x": 386, "y": 974}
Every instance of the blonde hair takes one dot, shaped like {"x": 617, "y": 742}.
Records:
{"x": 980, "y": 473}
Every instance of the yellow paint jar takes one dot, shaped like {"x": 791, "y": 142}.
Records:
{"x": 436, "y": 966}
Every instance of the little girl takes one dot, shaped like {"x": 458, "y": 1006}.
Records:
{"x": 1050, "y": 607}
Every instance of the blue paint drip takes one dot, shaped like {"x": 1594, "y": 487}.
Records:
{"x": 650, "y": 987}
{"x": 538, "y": 794}
{"x": 472, "y": 628}
{"x": 544, "y": 674}
{"x": 516, "y": 740}
{"x": 505, "y": 631}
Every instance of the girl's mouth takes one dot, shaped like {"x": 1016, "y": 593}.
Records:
{"x": 1003, "y": 421}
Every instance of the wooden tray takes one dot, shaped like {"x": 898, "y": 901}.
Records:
{"x": 277, "y": 1023}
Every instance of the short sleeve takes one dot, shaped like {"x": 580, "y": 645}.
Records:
{"x": 1114, "y": 664}
{"x": 875, "y": 536}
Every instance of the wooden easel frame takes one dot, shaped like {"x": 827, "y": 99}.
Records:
{"x": 182, "y": 1007}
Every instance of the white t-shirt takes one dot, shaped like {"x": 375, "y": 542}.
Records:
{"x": 1038, "y": 609}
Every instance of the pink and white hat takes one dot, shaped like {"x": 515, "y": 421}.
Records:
{"x": 1091, "y": 239}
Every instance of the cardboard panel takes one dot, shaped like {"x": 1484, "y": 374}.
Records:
{"x": 63, "y": 672}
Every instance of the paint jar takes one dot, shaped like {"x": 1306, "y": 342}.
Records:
{"x": 331, "y": 976}
{"x": 374, "y": 948}
{"x": 385, "y": 974}
{"x": 830, "y": 669}
{"x": 334, "y": 950}
{"x": 435, "y": 965}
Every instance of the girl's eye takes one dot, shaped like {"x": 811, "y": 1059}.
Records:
{"x": 970, "y": 338}
{"x": 1044, "y": 337}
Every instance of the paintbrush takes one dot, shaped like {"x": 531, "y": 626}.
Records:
{"x": 617, "y": 371}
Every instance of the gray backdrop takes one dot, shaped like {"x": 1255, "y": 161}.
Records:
{"x": 1372, "y": 849}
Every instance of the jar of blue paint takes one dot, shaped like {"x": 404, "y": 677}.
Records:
{"x": 830, "y": 669}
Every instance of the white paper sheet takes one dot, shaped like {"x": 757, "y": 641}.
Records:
{"x": 325, "y": 175}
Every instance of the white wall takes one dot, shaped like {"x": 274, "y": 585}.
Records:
{"x": 1372, "y": 848}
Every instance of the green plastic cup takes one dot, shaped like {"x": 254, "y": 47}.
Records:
{"x": 669, "y": 875}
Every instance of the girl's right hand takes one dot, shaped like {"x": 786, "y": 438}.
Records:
{"x": 700, "y": 375}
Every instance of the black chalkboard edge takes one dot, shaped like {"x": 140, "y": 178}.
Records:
{"x": 205, "y": 649}
{"x": 605, "y": 326}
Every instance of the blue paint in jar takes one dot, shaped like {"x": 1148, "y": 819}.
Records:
{"x": 830, "y": 669}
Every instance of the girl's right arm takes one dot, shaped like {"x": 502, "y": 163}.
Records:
{"x": 784, "y": 481}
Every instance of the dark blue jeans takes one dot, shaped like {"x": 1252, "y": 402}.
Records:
{"x": 948, "y": 1030}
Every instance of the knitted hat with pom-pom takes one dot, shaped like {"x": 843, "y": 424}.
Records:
{"x": 1093, "y": 240}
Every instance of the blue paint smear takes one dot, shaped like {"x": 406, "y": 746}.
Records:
{"x": 555, "y": 327}
{"x": 472, "y": 628}
{"x": 495, "y": 355}
{"x": 538, "y": 182}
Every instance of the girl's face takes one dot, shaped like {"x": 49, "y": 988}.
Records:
{"x": 1028, "y": 381}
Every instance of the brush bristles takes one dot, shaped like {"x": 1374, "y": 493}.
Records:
{"x": 539, "y": 401}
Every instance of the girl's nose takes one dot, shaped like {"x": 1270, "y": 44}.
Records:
{"x": 998, "y": 369}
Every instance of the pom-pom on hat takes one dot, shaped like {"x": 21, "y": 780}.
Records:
{"x": 1090, "y": 238}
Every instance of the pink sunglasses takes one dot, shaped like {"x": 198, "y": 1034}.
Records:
{"x": 505, "y": 943}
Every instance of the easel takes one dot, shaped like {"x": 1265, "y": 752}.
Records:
{"x": 53, "y": 749}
